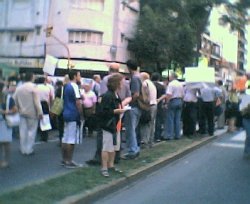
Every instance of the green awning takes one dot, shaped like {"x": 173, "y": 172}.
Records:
{"x": 6, "y": 70}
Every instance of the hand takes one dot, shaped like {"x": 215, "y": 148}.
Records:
{"x": 119, "y": 111}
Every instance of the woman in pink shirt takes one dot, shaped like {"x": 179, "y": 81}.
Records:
{"x": 89, "y": 100}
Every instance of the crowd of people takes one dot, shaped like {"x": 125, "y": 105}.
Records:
{"x": 141, "y": 109}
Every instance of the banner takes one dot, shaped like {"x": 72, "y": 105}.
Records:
{"x": 194, "y": 74}
{"x": 50, "y": 65}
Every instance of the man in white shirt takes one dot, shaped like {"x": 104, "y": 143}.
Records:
{"x": 174, "y": 97}
{"x": 147, "y": 129}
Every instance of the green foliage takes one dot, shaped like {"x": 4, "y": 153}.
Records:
{"x": 237, "y": 15}
{"x": 169, "y": 30}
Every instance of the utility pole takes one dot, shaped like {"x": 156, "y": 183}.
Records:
{"x": 48, "y": 31}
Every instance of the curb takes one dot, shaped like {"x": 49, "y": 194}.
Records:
{"x": 92, "y": 195}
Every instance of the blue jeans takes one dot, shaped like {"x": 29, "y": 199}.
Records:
{"x": 173, "y": 126}
{"x": 131, "y": 122}
{"x": 246, "y": 124}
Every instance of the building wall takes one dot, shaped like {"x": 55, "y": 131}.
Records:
{"x": 222, "y": 35}
{"x": 23, "y": 22}
{"x": 21, "y": 27}
{"x": 111, "y": 21}
{"x": 228, "y": 42}
{"x": 248, "y": 49}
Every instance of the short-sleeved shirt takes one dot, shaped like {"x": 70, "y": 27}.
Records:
{"x": 123, "y": 93}
{"x": 208, "y": 94}
{"x": 44, "y": 92}
{"x": 89, "y": 99}
{"x": 190, "y": 95}
{"x": 135, "y": 87}
{"x": 70, "y": 95}
{"x": 175, "y": 89}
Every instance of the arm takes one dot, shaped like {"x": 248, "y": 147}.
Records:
{"x": 161, "y": 98}
{"x": 135, "y": 86}
{"x": 79, "y": 106}
{"x": 126, "y": 101}
{"x": 37, "y": 104}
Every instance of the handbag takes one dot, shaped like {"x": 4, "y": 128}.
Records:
{"x": 145, "y": 117}
{"x": 57, "y": 106}
{"x": 12, "y": 120}
{"x": 45, "y": 123}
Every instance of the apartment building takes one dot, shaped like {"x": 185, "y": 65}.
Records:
{"x": 88, "y": 33}
{"x": 223, "y": 45}
{"x": 22, "y": 38}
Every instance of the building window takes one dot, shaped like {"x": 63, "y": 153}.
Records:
{"x": 19, "y": 37}
{"x": 89, "y": 37}
{"x": 97, "y": 5}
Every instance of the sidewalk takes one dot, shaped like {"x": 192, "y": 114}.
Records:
{"x": 42, "y": 171}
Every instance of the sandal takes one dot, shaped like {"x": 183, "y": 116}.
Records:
{"x": 105, "y": 172}
{"x": 115, "y": 169}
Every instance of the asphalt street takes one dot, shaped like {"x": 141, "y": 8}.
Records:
{"x": 215, "y": 173}
{"x": 44, "y": 164}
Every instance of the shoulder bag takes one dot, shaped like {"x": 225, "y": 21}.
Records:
{"x": 57, "y": 106}
{"x": 13, "y": 120}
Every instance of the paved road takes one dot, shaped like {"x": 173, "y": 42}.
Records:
{"x": 215, "y": 173}
{"x": 45, "y": 163}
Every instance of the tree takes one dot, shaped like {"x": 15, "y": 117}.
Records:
{"x": 162, "y": 38}
{"x": 169, "y": 30}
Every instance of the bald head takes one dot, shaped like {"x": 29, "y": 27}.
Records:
{"x": 114, "y": 67}
{"x": 144, "y": 76}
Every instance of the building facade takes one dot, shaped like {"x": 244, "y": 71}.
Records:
{"x": 89, "y": 33}
{"x": 224, "y": 46}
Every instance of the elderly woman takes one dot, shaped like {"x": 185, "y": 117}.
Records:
{"x": 110, "y": 122}
{"x": 7, "y": 107}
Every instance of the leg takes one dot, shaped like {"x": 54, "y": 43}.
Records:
{"x": 144, "y": 132}
{"x": 132, "y": 120}
{"x": 246, "y": 124}
{"x": 193, "y": 118}
{"x": 105, "y": 160}
{"x": 210, "y": 118}
{"x": 111, "y": 159}
{"x": 69, "y": 152}
{"x": 185, "y": 119}
{"x": 32, "y": 131}
{"x": 6, "y": 155}
{"x": 23, "y": 132}
{"x": 153, "y": 111}
{"x": 169, "y": 123}
{"x": 221, "y": 118}
{"x": 177, "y": 121}
{"x": 202, "y": 119}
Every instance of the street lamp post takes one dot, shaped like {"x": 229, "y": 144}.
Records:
{"x": 48, "y": 31}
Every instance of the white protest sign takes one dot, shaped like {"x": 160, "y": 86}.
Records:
{"x": 194, "y": 74}
{"x": 50, "y": 65}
